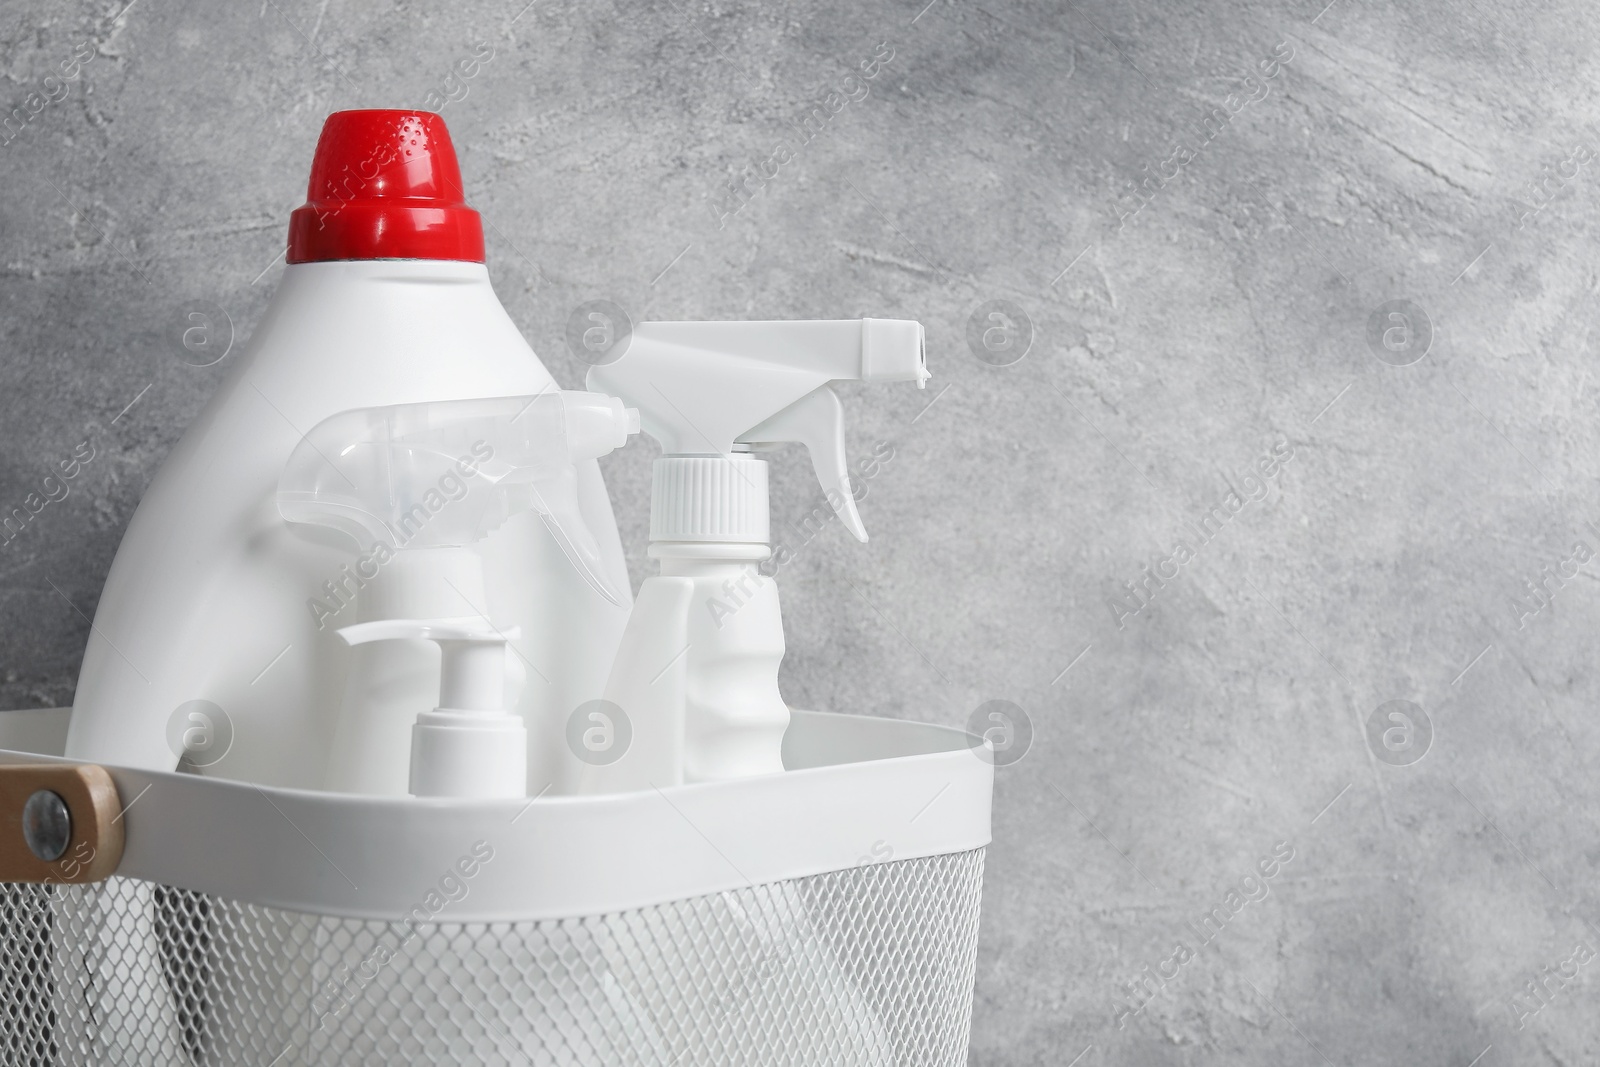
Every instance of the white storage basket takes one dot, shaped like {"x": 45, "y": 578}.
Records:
{"x": 825, "y": 916}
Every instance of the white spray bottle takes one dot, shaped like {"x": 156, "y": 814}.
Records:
{"x": 385, "y": 300}
{"x": 697, "y": 671}
{"x": 417, "y": 487}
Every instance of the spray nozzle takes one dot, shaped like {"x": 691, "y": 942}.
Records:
{"x": 447, "y": 473}
{"x": 714, "y": 388}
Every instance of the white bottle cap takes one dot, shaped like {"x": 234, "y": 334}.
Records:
{"x": 710, "y": 498}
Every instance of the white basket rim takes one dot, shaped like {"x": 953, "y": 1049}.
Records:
{"x": 862, "y": 790}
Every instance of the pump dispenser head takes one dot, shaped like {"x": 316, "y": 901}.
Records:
{"x": 471, "y": 745}
{"x": 709, "y": 391}
{"x": 447, "y": 473}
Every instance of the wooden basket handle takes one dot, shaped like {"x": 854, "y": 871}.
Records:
{"x": 59, "y": 823}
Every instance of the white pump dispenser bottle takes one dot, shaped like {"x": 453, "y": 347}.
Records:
{"x": 697, "y": 671}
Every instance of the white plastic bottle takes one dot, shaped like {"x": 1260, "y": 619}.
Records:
{"x": 697, "y": 671}
{"x": 385, "y": 300}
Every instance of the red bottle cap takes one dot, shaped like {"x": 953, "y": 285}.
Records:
{"x": 385, "y": 185}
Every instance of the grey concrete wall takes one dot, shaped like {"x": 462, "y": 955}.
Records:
{"x": 1423, "y": 535}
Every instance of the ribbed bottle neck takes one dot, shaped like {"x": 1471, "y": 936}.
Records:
{"x": 710, "y": 498}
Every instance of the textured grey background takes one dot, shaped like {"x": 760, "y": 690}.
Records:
{"x": 1393, "y": 157}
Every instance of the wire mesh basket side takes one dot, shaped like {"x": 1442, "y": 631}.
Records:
{"x": 872, "y": 965}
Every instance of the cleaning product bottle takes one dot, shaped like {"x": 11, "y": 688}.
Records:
{"x": 697, "y": 670}
{"x": 417, "y": 487}
{"x": 385, "y": 300}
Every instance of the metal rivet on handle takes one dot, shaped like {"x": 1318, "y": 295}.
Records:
{"x": 46, "y": 825}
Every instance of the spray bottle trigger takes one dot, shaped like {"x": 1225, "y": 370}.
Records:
{"x": 816, "y": 420}
{"x": 555, "y": 498}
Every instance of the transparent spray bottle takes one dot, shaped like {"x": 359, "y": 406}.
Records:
{"x": 417, "y": 486}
